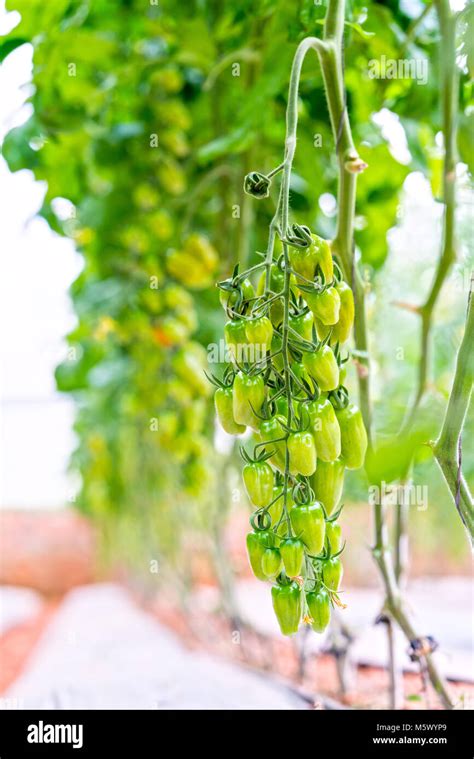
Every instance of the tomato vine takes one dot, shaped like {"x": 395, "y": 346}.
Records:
{"x": 290, "y": 357}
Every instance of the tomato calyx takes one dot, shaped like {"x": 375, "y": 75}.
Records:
{"x": 257, "y": 185}
{"x": 257, "y": 458}
{"x": 298, "y": 236}
{"x": 339, "y": 397}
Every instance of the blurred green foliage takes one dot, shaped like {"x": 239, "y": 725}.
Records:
{"x": 147, "y": 117}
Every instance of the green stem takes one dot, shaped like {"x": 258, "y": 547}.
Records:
{"x": 329, "y": 52}
{"x": 223, "y": 569}
{"x": 195, "y": 196}
{"x": 396, "y": 608}
{"x": 401, "y": 535}
{"x": 413, "y": 27}
{"x": 449, "y": 89}
{"x": 281, "y": 215}
{"x": 349, "y": 166}
{"x": 343, "y": 247}
{"x": 446, "y": 448}
{"x": 395, "y": 672}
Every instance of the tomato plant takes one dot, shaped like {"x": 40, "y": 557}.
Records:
{"x": 303, "y": 371}
{"x": 146, "y": 119}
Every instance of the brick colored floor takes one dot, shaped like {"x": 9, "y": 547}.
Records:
{"x": 54, "y": 552}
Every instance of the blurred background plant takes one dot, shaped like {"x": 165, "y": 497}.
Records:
{"x": 146, "y": 117}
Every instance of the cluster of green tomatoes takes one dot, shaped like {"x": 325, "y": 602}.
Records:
{"x": 285, "y": 381}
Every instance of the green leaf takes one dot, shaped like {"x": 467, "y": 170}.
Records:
{"x": 391, "y": 459}
{"x": 466, "y": 138}
{"x": 233, "y": 142}
{"x": 358, "y": 28}
{"x": 9, "y": 45}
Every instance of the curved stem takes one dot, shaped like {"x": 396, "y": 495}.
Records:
{"x": 447, "y": 447}
{"x": 281, "y": 217}
{"x": 329, "y": 53}
{"x": 191, "y": 200}
{"x": 396, "y": 608}
{"x": 401, "y": 535}
{"x": 343, "y": 247}
{"x": 449, "y": 90}
{"x": 395, "y": 672}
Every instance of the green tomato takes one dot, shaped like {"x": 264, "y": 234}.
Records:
{"x": 259, "y": 333}
{"x": 202, "y": 251}
{"x": 307, "y": 521}
{"x": 302, "y": 374}
{"x": 183, "y": 267}
{"x": 257, "y": 544}
{"x": 189, "y": 364}
{"x": 303, "y": 261}
{"x": 236, "y": 340}
{"x": 223, "y": 406}
{"x": 342, "y": 330}
{"x": 332, "y": 573}
{"x": 230, "y": 298}
{"x": 277, "y": 284}
{"x": 327, "y": 483}
{"x": 271, "y": 563}
{"x": 276, "y": 346}
{"x": 325, "y": 306}
{"x": 322, "y": 366}
{"x": 259, "y": 480}
{"x": 302, "y": 451}
{"x": 282, "y": 406}
{"x": 303, "y": 325}
{"x": 353, "y": 436}
{"x": 277, "y": 280}
{"x": 292, "y": 553}
{"x": 306, "y": 260}
{"x": 319, "y": 608}
{"x": 288, "y": 606}
{"x": 248, "y": 396}
{"x": 171, "y": 331}
{"x": 334, "y": 536}
{"x": 325, "y": 429}
{"x": 270, "y": 430}
{"x": 194, "y": 423}
{"x": 276, "y": 509}
{"x": 323, "y": 257}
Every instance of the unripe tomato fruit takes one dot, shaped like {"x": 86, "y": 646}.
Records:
{"x": 307, "y": 521}
{"x": 288, "y": 606}
{"x": 353, "y": 436}
{"x": 259, "y": 480}
{"x": 322, "y": 366}
{"x": 332, "y": 573}
{"x": 319, "y": 608}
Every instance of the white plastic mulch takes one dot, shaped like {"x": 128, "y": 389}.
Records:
{"x": 17, "y": 605}
{"x": 102, "y": 652}
{"x": 441, "y": 607}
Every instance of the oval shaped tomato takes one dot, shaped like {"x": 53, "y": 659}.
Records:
{"x": 259, "y": 480}
{"x": 257, "y": 544}
{"x": 247, "y": 397}
{"x": 271, "y": 563}
{"x": 353, "y": 436}
{"x": 319, "y": 608}
{"x": 307, "y": 521}
{"x": 332, "y": 573}
{"x": 288, "y": 606}
{"x": 322, "y": 366}
{"x": 327, "y": 483}
{"x": 292, "y": 553}
{"x": 302, "y": 451}
{"x": 223, "y": 406}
